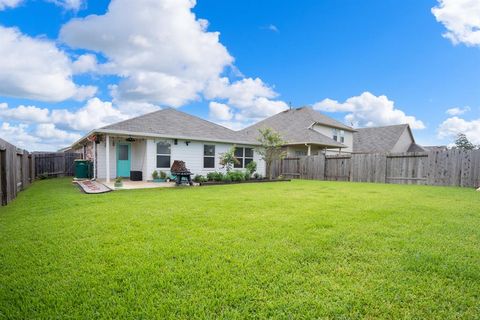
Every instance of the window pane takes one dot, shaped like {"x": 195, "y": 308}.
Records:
{"x": 163, "y": 148}
{"x": 247, "y": 161}
{"x": 208, "y": 150}
{"x": 342, "y": 139}
{"x": 239, "y": 152}
{"x": 163, "y": 161}
{"x": 249, "y": 152}
{"x": 239, "y": 164}
{"x": 208, "y": 162}
{"x": 122, "y": 152}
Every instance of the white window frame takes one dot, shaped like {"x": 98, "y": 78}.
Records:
{"x": 244, "y": 157}
{"x": 209, "y": 156}
{"x": 163, "y": 154}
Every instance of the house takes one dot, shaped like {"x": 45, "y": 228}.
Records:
{"x": 306, "y": 132}
{"x": 153, "y": 141}
{"x": 387, "y": 139}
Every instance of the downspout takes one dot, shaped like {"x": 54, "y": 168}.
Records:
{"x": 309, "y": 152}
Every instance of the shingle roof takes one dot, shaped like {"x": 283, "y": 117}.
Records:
{"x": 377, "y": 139}
{"x": 416, "y": 148}
{"x": 173, "y": 123}
{"x": 295, "y": 127}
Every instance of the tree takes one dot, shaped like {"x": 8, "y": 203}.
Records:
{"x": 228, "y": 159}
{"x": 271, "y": 148}
{"x": 463, "y": 143}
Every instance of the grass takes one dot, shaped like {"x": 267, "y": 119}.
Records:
{"x": 303, "y": 249}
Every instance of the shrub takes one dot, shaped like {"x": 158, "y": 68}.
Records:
{"x": 248, "y": 176}
{"x": 251, "y": 167}
{"x": 236, "y": 175}
{"x": 155, "y": 174}
{"x": 163, "y": 175}
{"x": 199, "y": 178}
{"x": 215, "y": 176}
{"x": 227, "y": 178}
{"x": 257, "y": 176}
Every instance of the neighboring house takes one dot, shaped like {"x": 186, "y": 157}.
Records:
{"x": 388, "y": 139}
{"x": 306, "y": 132}
{"x": 153, "y": 141}
{"x": 436, "y": 148}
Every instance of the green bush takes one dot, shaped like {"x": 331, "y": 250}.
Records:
{"x": 247, "y": 175}
{"x": 199, "y": 178}
{"x": 251, "y": 167}
{"x": 163, "y": 175}
{"x": 215, "y": 176}
{"x": 155, "y": 174}
{"x": 236, "y": 176}
{"x": 258, "y": 176}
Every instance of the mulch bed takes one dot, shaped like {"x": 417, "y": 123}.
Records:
{"x": 216, "y": 183}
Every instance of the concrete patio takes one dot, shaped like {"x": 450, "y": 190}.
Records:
{"x": 129, "y": 185}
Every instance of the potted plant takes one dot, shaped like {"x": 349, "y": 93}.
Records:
{"x": 158, "y": 177}
{"x": 118, "y": 182}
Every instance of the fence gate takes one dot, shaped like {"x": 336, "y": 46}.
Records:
{"x": 290, "y": 167}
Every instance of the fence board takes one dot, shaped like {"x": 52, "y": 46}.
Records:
{"x": 442, "y": 168}
{"x": 15, "y": 171}
{"x": 55, "y": 164}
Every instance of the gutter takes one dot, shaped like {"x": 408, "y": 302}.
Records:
{"x": 164, "y": 136}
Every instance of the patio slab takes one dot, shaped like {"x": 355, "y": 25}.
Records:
{"x": 129, "y": 185}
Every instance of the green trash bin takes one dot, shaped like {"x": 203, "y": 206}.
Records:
{"x": 82, "y": 169}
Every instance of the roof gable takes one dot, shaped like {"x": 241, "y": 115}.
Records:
{"x": 295, "y": 126}
{"x": 173, "y": 123}
{"x": 378, "y": 139}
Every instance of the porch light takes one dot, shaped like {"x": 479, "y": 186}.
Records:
{"x": 187, "y": 142}
{"x": 130, "y": 139}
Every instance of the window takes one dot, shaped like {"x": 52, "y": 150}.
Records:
{"x": 300, "y": 153}
{"x": 338, "y": 135}
{"x": 209, "y": 156}
{"x": 335, "y": 134}
{"x": 122, "y": 152}
{"x": 244, "y": 157}
{"x": 163, "y": 155}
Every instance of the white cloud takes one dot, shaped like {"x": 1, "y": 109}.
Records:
{"x": 164, "y": 54}
{"x": 24, "y": 113}
{"x": 95, "y": 114}
{"x": 273, "y": 28}
{"x": 74, "y": 5}
{"x": 50, "y": 132}
{"x": 220, "y": 111}
{"x": 252, "y": 97}
{"x": 9, "y": 4}
{"x": 85, "y": 63}
{"x": 21, "y": 135}
{"x": 451, "y": 127}
{"x": 36, "y": 69}
{"x": 368, "y": 110}
{"x": 461, "y": 18}
{"x": 457, "y": 111}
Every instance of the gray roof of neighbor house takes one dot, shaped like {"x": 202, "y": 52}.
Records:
{"x": 295, "y": 127}
{"x": 172, "y": 123}
{"x": 379, "y": 139}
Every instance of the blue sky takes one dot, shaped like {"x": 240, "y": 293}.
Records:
{"x": 364, "y": 63}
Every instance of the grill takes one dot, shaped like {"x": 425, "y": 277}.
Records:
{"x": 179, "y": 169}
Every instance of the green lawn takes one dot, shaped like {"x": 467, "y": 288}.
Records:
{"x": 303, "y": 249}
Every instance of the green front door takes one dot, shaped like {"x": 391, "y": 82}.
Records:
{"x": 123, "y": 159}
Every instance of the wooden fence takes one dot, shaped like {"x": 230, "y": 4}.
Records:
{"x": 441, "y": 168}
{"x": 55, "y": 164}
{"x": 17, "y": 171}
